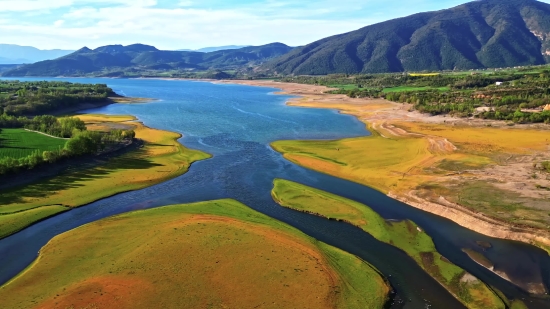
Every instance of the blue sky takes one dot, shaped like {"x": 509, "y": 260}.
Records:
{"x": 179, "y": 24}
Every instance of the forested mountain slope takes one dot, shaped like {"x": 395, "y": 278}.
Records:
{"x": 479, "y": 34}
{"x": 118, "y": 58}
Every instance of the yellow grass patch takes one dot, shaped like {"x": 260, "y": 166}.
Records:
{"x": 486, "y": 141}
{"x": 386, "y": 164}
{"x": 217, "y": 254}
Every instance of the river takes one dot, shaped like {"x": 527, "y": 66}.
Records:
{"x": 236, "y": 123}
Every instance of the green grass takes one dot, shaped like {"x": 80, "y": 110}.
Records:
{"x": 139, "y": 247}
{"x": 345, "y": 86}
{"x": 408, "y": 88}
{"x": 18, "y": 143}
{"x": 15, "y": 222}
{"x": 405, "y": 235}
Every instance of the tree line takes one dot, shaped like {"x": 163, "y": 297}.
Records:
{"x": 34, "y": 98}
{"x": 81, "y": 141}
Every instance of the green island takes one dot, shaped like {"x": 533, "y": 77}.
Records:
{"x": 227, "y": 248}
{"x": 405, "y": 235}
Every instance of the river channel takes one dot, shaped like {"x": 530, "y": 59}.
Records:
{"x": 236, "y": 123}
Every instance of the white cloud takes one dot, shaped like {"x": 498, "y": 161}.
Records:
{"x": 59, "y": 23}
{"x": 184, "y": 3}
{"x": 32, "y": 5}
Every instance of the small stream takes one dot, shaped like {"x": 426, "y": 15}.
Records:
{"x": 236, "y": 124}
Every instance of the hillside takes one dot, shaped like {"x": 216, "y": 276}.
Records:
{"x": 15, "y": 54}
{"x": 118, "y": 60}
{"x": 479, "y": 34}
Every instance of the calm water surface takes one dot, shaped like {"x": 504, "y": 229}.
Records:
{"x": 236, "y": 124}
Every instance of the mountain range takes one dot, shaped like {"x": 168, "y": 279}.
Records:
{"x": 15, "y": 54}
{"x": 213, "y": 49}
{"x": 117, "y": 60}
{"x": 476, "y": 35}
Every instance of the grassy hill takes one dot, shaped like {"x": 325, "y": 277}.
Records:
{"x": 479, "y": 34}
{"x": 118, "y": 60}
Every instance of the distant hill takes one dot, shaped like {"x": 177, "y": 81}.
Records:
{"x": 213, "y": 49}
{"x": 479, "y": 34}
{"x": 114, "y": 60}
{"x": 15, "y": 54}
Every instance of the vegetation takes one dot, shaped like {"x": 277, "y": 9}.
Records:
{"x": 19, "y": 143}
{"x": 80, "y": 141}
{"x": 143, "y": 61}
{"x": 404, "y": 235}
{"x": 521, "y": 98}
{"x": 35, "y": 98}
{"x": 404, "y": 157}
{"x": 161, "y": 158}
{"x": 461, "y": 38}
{"x": 227, "y": 248}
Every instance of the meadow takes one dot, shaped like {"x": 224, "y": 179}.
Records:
{"x": 405, "y": 235}
{"x": 19, "y": 143}
{"x": 161, "y": 158}
{"x": 218, "y": 254}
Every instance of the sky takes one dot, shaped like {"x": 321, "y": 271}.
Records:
{"x": 193, "y": 24}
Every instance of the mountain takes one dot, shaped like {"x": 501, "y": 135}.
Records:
{"x": 115, "y": 60}
{"x": 478, "y": 34}
{"x": 15, "y": 54}
{"x": 213, "y": 49}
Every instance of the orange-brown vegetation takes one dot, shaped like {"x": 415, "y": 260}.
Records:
{"x": 217, "y": 254}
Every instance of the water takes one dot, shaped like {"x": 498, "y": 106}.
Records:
{"x": 236, "y": 124}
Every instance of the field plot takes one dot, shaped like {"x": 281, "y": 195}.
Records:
{"x": 218, "y": 254}
{"x": 18, "y": 143}
{"x": 405, "y": 235}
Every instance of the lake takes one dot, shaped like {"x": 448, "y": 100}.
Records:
{"x": 236, "y": 123}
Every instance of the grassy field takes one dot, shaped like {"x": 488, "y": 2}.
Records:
{"x": 382, "y": 163}
{"x": 422, "y": 158}
{"x": 18, "y": 143}
{"x": 218, "y": 254}
{"x": 404, "y": 235}
{"x": 161, "y": 158}
{"x": 387, "y": 90}
{"x": 407, "y": 88}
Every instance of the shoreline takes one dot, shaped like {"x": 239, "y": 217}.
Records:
{"x": 102, "y": 177}
{"x": 314, "y": 97}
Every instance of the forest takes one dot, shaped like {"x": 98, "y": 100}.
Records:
{"x": 42, "y": 97}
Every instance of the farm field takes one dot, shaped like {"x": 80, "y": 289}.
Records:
{"x": 405, "y": 235}
{"x": 161, "y": 158}
{"x": 19, "y": 143}
{"x": 206, "y": 254}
